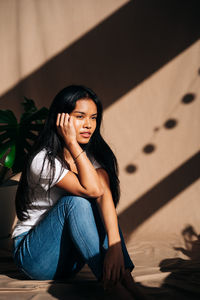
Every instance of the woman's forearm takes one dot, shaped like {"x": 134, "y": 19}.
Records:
{"x": 107, "y": 210}
{"x": 87, "y": 174}
{"x": 88, "y": 180}
{"x": 109, "y": 218}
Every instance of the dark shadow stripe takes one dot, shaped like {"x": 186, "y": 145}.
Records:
{"x": 160, "y": 194}
{"x": 118, "y": 54}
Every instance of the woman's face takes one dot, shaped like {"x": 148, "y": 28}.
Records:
{"x": 84, "y": 116}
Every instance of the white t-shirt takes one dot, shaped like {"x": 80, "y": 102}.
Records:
{"x": 40, "y": 190}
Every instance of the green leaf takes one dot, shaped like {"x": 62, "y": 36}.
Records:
{"x": 7, "y": 117}
{"x": 31, "y": 136}
{"x": 35, "y": 127}
{"x": 17, "y": 138}
{"x": 5, "y": 127}
{"x": 29, "y": 105}
{"x": 4, "y": 136}
{"x": 4, "y": 148}
{"x": 41, "y": 114}
{"x": 10, "y": 158}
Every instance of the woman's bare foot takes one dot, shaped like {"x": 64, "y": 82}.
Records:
{"x": 131, "y": 286}
{"x": 118, "y": 292}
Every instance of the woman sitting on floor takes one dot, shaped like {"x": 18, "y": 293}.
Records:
{"x": 66, "y": 200}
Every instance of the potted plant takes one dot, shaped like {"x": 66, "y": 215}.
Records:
{"x": 16, "y": 139}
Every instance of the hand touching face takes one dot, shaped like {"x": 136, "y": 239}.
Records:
{"x": 81, "y": 122}
{"x": 65, "y": 128}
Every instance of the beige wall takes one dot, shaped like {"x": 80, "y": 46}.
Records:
{"x": 142, "y": 58}
{"x": 34, "y": 31}
{"x": 136, "y": 116}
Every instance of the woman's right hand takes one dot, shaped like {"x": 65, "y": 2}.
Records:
{"x": 113, "y": 267}
{"x": 65, "y": 128}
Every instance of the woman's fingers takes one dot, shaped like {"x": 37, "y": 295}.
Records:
{"x": 70, "y": 120}
{"x": 66, "y": 119}
{"x": 106, "y": 276}
{"x": 106, "y": 273}
{"x": 115, "y": 276}
{"x": 58, "y": 120}
{"x": 61, "y": 122}
{"x": 122, "y": 272}
{"x": 111, "y": 276}
{"x": 62, "y": 118}
{"x": 65, "y": 127}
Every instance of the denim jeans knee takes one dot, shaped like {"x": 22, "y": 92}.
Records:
{"x": 70, "y": 201}
{"x": 69, "y": 236}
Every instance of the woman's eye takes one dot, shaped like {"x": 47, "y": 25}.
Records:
{"x": 94, "y": 118}
{"x": 79, "y": 117}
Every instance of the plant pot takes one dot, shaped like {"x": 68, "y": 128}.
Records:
{"x": 7, "y": 212}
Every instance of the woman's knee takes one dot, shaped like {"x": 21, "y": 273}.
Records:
{"x": 71, "y": 202}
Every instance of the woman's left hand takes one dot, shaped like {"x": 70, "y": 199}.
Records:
{"x": 113, "y": 267}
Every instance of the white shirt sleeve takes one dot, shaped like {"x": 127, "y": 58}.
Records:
{"x": 38, "y": 164}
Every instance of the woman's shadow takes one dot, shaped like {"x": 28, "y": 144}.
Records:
{"x": 184, "y": 279}
{"x": 183, "y": 282}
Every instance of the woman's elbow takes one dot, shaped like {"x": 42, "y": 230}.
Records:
{"x": 97, "y": 192}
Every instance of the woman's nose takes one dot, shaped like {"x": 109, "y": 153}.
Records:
{"x": 87, "y": 123}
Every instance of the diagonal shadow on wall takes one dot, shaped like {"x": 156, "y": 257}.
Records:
{"x": 116, "y": 55}
{"x": 160, "y": 194}
{"x": 113, "y": 58}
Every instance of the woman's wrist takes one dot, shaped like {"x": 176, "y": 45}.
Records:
{"x": 74, "y": 148}
{"x": 78, "y": 156}
{"x": 71, "y": 144}
{"x": 113, "y": 239}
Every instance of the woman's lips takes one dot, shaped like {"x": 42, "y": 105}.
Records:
{"x": 86, "y": 134}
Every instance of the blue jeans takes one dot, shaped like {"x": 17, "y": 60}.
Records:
{"x": 69, "y": 236}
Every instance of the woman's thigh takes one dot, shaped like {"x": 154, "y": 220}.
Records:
{"x": 47, "y": 250}
{"x": 70, "y": 235}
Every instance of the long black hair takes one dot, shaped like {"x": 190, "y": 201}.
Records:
{"x": 52, "y": 142}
